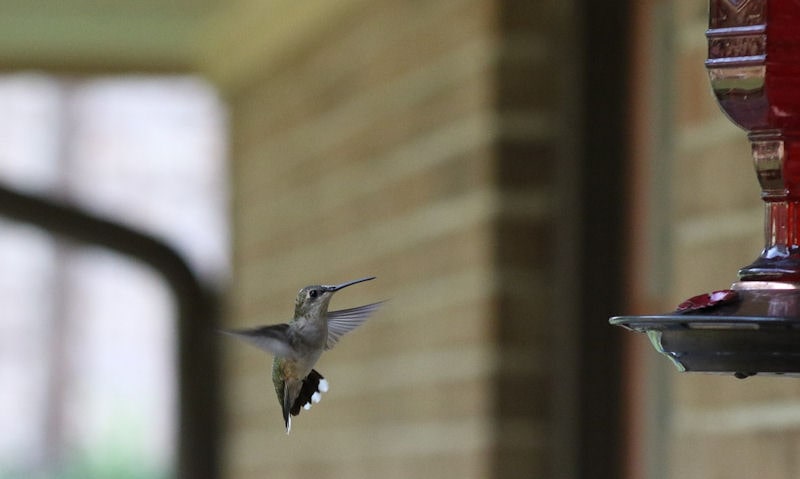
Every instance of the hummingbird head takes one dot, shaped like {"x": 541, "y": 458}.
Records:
{"x": 313, "y": 300}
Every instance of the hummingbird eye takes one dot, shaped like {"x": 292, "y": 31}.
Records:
{"x": 313, "y": 293}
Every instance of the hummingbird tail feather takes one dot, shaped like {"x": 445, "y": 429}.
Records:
{"x": 287, "y": 420}
{"x": 290, "y": 392}
{"x": 310, "y": 392}
{"x": 299, "y": 394}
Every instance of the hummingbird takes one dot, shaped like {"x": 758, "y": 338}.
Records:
{"x": 298, "y": 344}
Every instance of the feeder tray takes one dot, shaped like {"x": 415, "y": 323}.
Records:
{"x": 753, "y": 328}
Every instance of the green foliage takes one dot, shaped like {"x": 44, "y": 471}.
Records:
{"x": 116, "y": 458}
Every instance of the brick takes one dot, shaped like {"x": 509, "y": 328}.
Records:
{"x": 714, "y": 179}
{"x": 756, "y": 455}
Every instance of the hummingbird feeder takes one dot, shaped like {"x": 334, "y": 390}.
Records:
{"x": 753, "y": 327}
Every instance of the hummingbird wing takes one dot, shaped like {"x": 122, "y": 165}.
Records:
{"x": 273, "y": 339}
{"x": 345, "y": 320}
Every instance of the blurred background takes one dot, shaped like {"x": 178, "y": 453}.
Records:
{"x": 513, "y": 172}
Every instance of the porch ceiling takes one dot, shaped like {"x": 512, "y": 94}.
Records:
{"x": 105, "y": 35}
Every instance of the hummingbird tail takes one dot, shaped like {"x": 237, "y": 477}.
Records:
{"x": 290, "y": 391}
{"x": 301, "y": 394}
{"x": 310, "y": 392}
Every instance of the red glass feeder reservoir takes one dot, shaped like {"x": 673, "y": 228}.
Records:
{"x": 754, "y": 327}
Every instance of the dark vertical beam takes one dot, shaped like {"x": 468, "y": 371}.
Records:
{"x": 604, "y": 30}
{"x": 525, "y": 86}
{"x": 583, "y": 85}
{"x": 199, "y": 408}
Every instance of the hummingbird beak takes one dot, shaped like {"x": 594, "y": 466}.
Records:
{"x": 348, "y": 283}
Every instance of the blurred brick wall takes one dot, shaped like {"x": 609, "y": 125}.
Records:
{"x": 713, "y": 426}
{"x": 417, "y": 141}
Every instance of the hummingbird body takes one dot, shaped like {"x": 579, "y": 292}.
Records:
{"x": 298, "y": 344}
